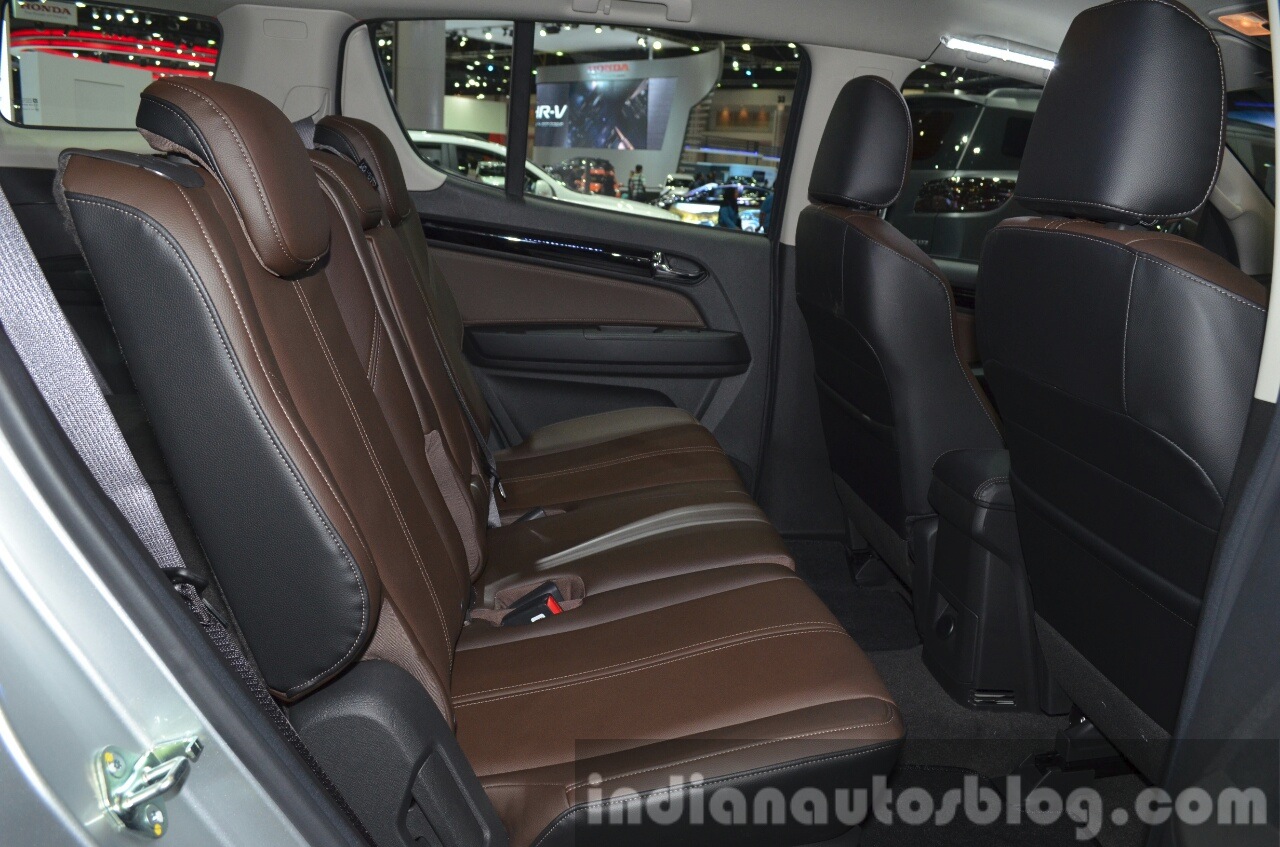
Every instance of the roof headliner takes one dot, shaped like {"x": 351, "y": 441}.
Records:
{"x": 910, "y": 28}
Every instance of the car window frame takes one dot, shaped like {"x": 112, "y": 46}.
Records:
{"x": 784, "y": 168}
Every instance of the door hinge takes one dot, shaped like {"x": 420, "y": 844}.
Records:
{"x": 133, "y": 788}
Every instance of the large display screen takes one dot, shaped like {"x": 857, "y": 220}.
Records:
{"x": 604, "y": 114}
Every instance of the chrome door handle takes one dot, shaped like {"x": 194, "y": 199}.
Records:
{"x": 662, "y": 270}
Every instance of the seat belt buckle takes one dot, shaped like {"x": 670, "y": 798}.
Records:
{"x": 539, "y": 604}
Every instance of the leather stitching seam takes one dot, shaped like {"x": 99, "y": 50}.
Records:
{"x": 611, "y": 462}
{"x": 827, "y": 631}
{"x": 1222, "y": 119}
{"x": 253, "y": 171}
{"x": 386, "y": 487}
{"x": 653, "y": 656}
{"x": 889, "y": 708}
{"x": 364, "y": 614}
{"x": 951, "y": 319}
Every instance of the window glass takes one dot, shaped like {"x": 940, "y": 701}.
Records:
{"x": 970, "y": 132}
{"x": 1251, "y": 123}
{"x": 970, "y": 129}
{"x": 942, "y": 127}
{"x": 673, "y": 125}
{"x": 84, "y": 65}
{"x": 450, "y": 80}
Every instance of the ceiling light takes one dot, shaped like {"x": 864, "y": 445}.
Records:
{"x": 778, "y": 68}
{"x": 488, "y": 36}
{"x": 1002, "y": 53}
{"x": 791, "y": 45}
{"x": 542, "y": 32}
{"x": 641, "y": 41}
{"x": 1253, "y": 24}
{"x": 657, "y": 45}
{"x": 599, "y": 30}
{"x": 695, "y": 48}
{"x": 559, "y": 52}
{"x": 746, "y": 46}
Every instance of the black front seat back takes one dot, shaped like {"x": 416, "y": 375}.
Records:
{"x": 1123, "y": 361}
{"x": 892, "y": 388}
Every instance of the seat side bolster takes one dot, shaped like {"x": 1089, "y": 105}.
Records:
{"x": 268, "y": 521}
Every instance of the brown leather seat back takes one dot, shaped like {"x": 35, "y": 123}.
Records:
{"x": 293, "y": 479}
{"x": 432, "y": 303}
{"x": 418, "y": 406}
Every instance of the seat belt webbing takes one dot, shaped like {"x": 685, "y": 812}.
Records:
{"x": 54, "y": 358}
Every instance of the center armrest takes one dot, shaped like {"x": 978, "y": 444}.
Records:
{"x": 971, "y": 490}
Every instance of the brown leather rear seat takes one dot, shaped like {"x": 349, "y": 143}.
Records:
{"x": 558, "y": 465}
{"x": 607, "y": 542}
{"x": 221, "y": 266}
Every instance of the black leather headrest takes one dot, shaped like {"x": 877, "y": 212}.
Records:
{"x": 866, "y": 148}
{"x": 1130, "y": 127}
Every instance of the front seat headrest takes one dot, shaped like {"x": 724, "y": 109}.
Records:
{"x": 255, "y": 153}
{"x": 369, "y": 147}
{"x": 865, "y": 152}
{"x": 1130, "y": 126}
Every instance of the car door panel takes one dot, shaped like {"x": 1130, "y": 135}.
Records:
{"x": 611, "y": 351}
{"x": 567, "y": 317}
{"x": 497, "y": 291}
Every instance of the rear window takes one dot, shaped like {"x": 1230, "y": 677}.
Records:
{"x": 969, "y": 131}
{"x": 942, "y": 128}
{"x": 997, "y": 141}
{"x": 80, "y": 65}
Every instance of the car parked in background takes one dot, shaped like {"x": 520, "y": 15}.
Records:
{"x": 486, "y": 162}
{"x": 965, "y": 156}
{"x": 587, "y": 175}
{"x": 702, "y": 205}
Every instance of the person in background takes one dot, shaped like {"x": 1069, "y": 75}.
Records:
{"x": 729, "y": 217}
{"x": 766, "y": 213}
{"x": 635, "y": 184}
